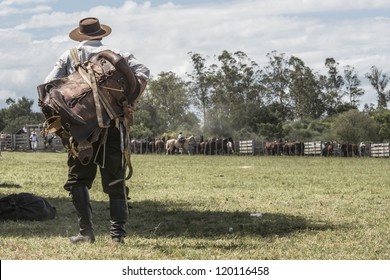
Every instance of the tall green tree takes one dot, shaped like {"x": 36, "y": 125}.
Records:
{"x": 332, "y": 84}
{"x": 352, "y": 85}
{"x": 305, "y": 91}
{"x": 236, "y": 95}
{"x": 147, "y": 122}
{"x": 168, "y": 100}
{"x": 200, "y": 85}
{"x": 275, "y": 77}
{"x": 379, "y": 81}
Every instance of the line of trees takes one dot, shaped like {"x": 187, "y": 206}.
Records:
{"x": 234, "y": 96}
{"x": 18, "y": 114}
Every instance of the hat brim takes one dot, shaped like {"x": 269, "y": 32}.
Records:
{"x": 76, "y": 35}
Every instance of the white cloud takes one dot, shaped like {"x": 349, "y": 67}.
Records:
{"x": 161, "y": 36}
{"x": 19, "y": 7}
{"x": 5, "y": 94}
{"x": 21, "y": 2}
{"x": 270, "y": 7}
{"x": 16, "y": 11}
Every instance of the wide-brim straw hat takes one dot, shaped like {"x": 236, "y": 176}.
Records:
{"x": 90, "y": 29}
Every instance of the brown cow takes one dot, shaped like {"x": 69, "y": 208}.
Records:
{"x": 274, "y": 147}
{"x": 203, "y": 147}
{"x": 159, "y": 144}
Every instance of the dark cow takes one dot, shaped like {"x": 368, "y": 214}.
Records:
{"x": 328, "y": 149}
{"x": 293, "y": 148}
{"x": 215, "y": 146}
{"x": 151, "y": 145}
{"x": 363, "y": 149}
{"x": 218, "y": 148}
{"x": 211, "y": 147}
{"x": 349, "y": 150}
{"x": 139, "y": 146}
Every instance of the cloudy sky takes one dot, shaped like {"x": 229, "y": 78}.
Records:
{"x": 33, "y": 33}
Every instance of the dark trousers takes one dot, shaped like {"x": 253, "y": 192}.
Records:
{"x": 112, "y": 174}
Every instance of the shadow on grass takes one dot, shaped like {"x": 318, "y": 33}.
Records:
{"x": 8, "y": 185}
{"x": 150, "y": 219}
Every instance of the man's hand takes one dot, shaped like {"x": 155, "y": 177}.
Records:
{"x": 131, "y": 108}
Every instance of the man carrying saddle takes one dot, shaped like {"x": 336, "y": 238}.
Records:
{"x": 94, "y": 122}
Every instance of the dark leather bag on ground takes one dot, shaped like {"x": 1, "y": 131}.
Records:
{"x": 26, "y": 206}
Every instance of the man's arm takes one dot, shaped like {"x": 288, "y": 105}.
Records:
{"x": 141, "y": 72}
{"x": 59, "y": 70}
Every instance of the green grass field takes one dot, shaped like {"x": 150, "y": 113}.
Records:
{"x": 183, "y": 207}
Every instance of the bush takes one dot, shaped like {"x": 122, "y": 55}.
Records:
{"x": 354, "y": 127}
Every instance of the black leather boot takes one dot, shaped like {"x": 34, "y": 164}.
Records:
{"x": 81, "y": 201}
{"x": 118, "y": 213}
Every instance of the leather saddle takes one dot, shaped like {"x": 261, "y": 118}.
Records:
{"x": 88, "y": 99}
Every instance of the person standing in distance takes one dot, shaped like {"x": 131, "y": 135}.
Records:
{"x": 89, "y": 34}
{"x": 34, "y": 141}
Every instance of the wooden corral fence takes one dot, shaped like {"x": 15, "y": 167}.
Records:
{"x": 250, "y": 147}
{"x": 14, "y": 142}
{"x": 313, "y": 148}
{"x": 5, "y": 141}
{"x": 380, "y": 150}
{"x": 258, "y": 148}
{"x": 21, "y": 140}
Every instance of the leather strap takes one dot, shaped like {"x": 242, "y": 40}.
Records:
{"x": 127, "y": 123}
{"x": 99, "y": 99}
{"x": 98, "y": 95}
{"x": 75, "y": 57}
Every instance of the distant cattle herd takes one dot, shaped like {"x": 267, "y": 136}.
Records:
{"x": 189, "y": 145}
{"x": 218, "y": 146}
{"x": 228, "y": 146}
